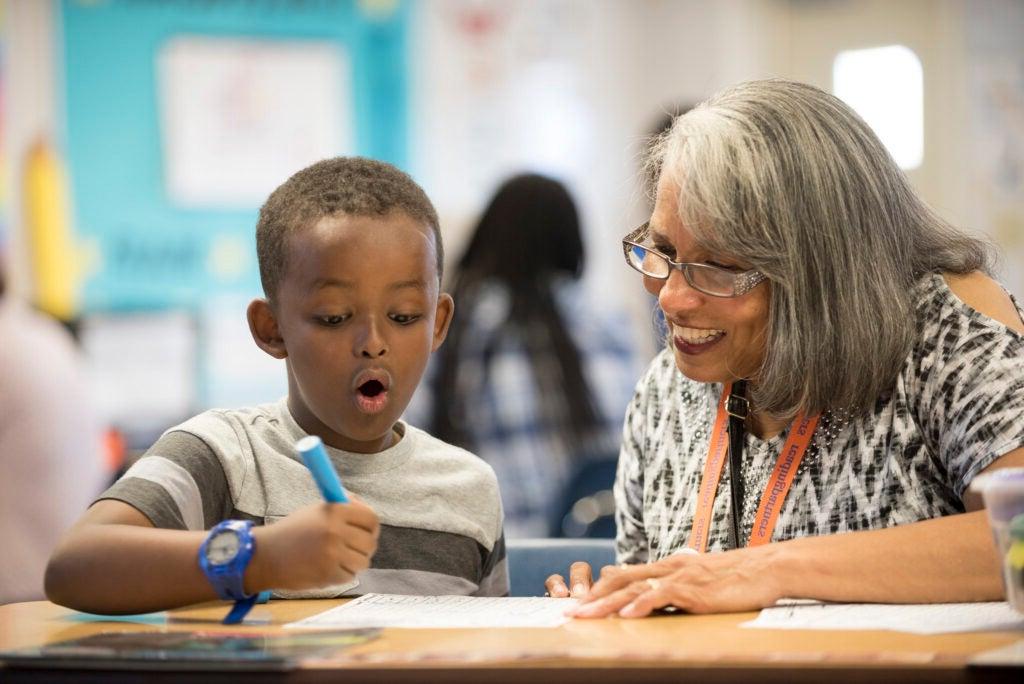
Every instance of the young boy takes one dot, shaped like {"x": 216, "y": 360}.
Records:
{"x": 350, "y": 259}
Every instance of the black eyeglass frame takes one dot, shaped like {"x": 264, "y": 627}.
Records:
{"x": 743, "y": 282}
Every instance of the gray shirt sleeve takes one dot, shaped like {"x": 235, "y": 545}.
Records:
{"x": 179, "y": 483}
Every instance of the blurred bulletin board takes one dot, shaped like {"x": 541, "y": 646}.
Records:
{"x": 163, "y": 230}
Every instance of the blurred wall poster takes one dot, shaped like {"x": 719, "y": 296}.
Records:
{"x": 182, "y": 116}
{"x": 237, "y": 113}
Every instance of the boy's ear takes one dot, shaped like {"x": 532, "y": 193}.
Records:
{"x": 263, "y": 326}
{"x": 442, "y": 319}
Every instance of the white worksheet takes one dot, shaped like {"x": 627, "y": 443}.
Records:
{"x": 932, "y": 618}
{"x": 393, "y": 610}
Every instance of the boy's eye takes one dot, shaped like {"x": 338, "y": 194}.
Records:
{"x": 331, "y": 320}
{"x": 404, "y": 319}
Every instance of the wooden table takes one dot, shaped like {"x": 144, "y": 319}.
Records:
{"x": 664, "y": 648}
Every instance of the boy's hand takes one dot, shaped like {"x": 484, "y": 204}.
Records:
{"x": 316, "y": 546}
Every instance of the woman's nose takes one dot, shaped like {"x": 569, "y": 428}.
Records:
{"x": 677, "y": 295}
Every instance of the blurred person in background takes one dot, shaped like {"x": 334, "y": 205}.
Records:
{"x": 50, "y": 456}
{"x": 533, "y": 377}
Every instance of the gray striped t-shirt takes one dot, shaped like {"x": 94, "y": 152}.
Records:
{"x": 438, "y": 505}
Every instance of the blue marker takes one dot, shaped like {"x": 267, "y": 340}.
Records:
{"x": 311, "y": 449}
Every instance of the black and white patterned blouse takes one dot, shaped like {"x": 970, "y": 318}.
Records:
{"x": 958, "y": 404}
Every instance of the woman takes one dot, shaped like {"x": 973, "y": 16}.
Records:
{"x": 531, "y": 378}
{"x": 881, "y": 370}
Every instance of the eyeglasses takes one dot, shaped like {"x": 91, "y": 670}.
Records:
{"x": 711, "y": 280}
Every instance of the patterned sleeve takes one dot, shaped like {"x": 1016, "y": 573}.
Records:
{"x": 179, "y": 483}
{"x": 972, "y": 392}
{"x": 631, "y": 536}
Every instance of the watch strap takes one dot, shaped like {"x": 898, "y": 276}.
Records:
{"x": 240, "y": 610}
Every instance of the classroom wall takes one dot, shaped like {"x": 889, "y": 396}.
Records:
{"x": 572, "y": 88}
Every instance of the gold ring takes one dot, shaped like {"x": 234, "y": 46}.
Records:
{"x": 653, "y": 583}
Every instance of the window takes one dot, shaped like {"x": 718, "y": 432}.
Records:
{"x": 885, "y": 86}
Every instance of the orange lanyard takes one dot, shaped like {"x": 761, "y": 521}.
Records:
{"x": 779, "y": 482}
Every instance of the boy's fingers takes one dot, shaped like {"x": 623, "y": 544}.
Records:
{"x": 556, "y": 587}
{"x": 364, "y": 543}
{"x": 363, "y": 516}
{"x": 579, "y": 579}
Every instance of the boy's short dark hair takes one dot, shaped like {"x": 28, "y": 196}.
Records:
{"x": 355, "y": 186}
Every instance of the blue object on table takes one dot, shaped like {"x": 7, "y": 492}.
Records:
{"x": 314, "y": 455}
{"x": 531, "y": 561}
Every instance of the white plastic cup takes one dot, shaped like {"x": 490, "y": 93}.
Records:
{"x": 1003, "y": 493}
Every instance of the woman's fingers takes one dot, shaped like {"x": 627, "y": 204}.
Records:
{"x": 610, "y": 603}
{"x": 556, "y": 587}
{"x": 615, "y": 578}
{"x": 653, "y": 594}
{"x": 579, "y": 579}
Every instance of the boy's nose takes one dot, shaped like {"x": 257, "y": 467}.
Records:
{"x": 374, "y": 351}
{"x": 372, "y": 344}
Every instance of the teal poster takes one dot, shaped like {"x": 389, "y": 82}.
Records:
{"x": 182, "y": 115}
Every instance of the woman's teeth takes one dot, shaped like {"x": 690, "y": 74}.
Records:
{"x": 698, "y": 335}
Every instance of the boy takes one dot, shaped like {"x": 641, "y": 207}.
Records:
{"x": 350, "y": 259}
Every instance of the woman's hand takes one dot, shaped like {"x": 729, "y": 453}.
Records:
{"x": 580, "y": 580}
{"x": 725, "y": 582}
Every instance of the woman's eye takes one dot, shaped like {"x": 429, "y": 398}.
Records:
{"x": 404, "y": 319}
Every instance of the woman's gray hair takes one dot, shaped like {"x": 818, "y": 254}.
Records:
{"x": 787, "y": 178}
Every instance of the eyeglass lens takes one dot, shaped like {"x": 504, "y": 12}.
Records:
{"x": 708, "y": 279}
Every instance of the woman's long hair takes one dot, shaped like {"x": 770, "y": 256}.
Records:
{"x": 529, "y": 236}
{"x": 791, "y": 180}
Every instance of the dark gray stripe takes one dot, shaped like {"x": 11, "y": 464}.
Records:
{"x": 196, "y": 456}
{"x": 199, "y": 460}
{"x": 496, "y": 555}
{"x": 407, "y": 548}
{"x": 150, "y": 499}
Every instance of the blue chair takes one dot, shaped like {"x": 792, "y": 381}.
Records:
{"x": 587, "y": 507}
{"x": 531, "y": 561}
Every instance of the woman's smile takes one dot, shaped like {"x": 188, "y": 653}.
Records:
{"x": 696, "y": 340}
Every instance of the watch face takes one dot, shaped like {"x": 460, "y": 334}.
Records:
{"x": 222, "y": 548}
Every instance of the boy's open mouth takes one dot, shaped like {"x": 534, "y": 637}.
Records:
{"x": 372, "y": 395}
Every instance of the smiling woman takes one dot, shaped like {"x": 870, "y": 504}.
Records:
{"x": 835, "y": 342}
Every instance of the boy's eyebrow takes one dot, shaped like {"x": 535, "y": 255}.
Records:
{"x": 414, "y": 283}
{"x": 321, "y": 283}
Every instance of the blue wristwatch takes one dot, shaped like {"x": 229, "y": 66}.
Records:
{"x": 223, "y": 557}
